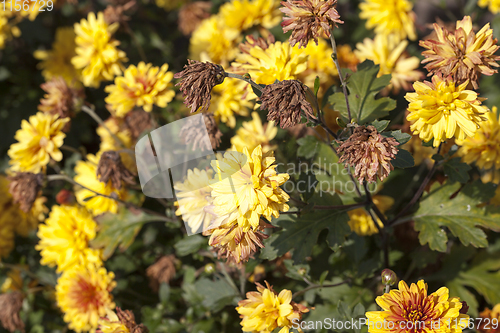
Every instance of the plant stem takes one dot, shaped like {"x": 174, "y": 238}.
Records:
{"x": 342, "y": 81}
{"x": 315, "y": 286}
{"x": 91, "y": 112}
{"x": 374, "y": 207}
{"x": 240, "y": 77}
{"x": 387, "y": 288}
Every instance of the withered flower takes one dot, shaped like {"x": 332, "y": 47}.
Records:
{"x": 10, "y": 305}
{"x": 461, "y": 54}
{"x": 138, "y": 121}
{"x": 251, "y": 42}
{"x": 197, "y": 81}
{"x": 309, "y": 19}
{"x": 111, "y": 167}
{"x": 284, "y": 101}
{"x": 124, "y": 319}
{"x": 116, "y": 13}
{"x": 25, "y": 187}
{"x": 191, "y": 15}
{"x": 193, "y": 132}
{"x": 234, "y": 244}
{"x": 60, "y": 98}
{"x": 369, "y": 153}
{"x": 162, "y": 271}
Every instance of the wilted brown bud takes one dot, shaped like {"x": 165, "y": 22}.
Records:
{"x": 127, "y": 318}
{"x": 24, "y": 187}
{"x": 65, "y": 197}
{"x": 465, "y": 308}
{"x": 309, "y": 19}
{"x": 197, "y": 81}
{"x": 162, "y": 271}
{"x": 234, "y": 244}
{"x": 10, "y": 305}
{"x": 138, "y": 121}
{"x": 284, "y": 101}
{"x": 111, "y": 167}
{"x": 191, "y": 15}
{"x": 116, "y": 13}
{"x": 60, "y": 98}
{"x": 369, "y": 152}
{"x": 193, "y": 132}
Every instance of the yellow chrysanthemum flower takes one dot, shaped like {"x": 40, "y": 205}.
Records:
{"x": 83, "y": 294}
{"x": 6, "y": 238}
{"x": 263, "y": 311}
{"x": 244, "y": 14}
{"x": 246, "y": 187}
{"x": 493, "y": 5}
{"x": 280, "y": 61}
{"x": 483, "y": 149}
{"x": 65, "y": 236}
{"x": 389, "y": 17}
{"x": 96, "y": 50}
{"x": 361, "y": 223}
{"x": 389, "y": 53}
{"x": 28, "y": 222}
{"x": 193, "y": 196}
{"x": 112, "y": 324}
{"x": 230, "y": 98}
{"x": 14, "y": 280}
{"x": 57, "y": 62}
{"x": 86, "y": 175}
{"x": 108, "y": 142}
{"x": 252, "y": 133}
{"x": 440, "y": 110}
{"x": 140, "y": 86}
{"x": 34, "y": 9}
{"x": 407, "y": 307}
{"x": 213, "y": 41}
{"x": 7, "y": 28}
{"x": 319, "y": 63}
{"x": 39, "y": 141}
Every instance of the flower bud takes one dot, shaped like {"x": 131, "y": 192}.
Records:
{"x": 209, "y": 268}
{"x": 389, "y": 277}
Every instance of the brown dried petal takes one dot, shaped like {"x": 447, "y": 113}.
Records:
{"x": 10, "y": 305}
{"x": 24, "y": 187}
{"x": 138, "y": 121}
{"x": 116, "y": 13}
{"x": 284, "y": 101}
{"x": 192, "y": 14}
{"x": 162, "y": 271}
{"x": 197, "y": 81}
{"x": 127, "y": 318}
{"x": 111, "y": 167}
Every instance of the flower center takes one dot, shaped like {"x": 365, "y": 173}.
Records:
{"x": 43, "y": 141}
{"x": 85, "y": 295}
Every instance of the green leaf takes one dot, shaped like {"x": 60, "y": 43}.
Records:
{"x": 456, "y": 170}
{"x": 307, "y": 185}
{"x": 257, "y": 91}
{"x": 316, "y": 85}
{"x": 189, "y": 245}
{"x": 461, "y": 215}
{"x": 323, "y": 277}
{"x": 216, "y": 294}
{"x": 119, "y": 230}
{"x": 296, "y": 272}
{"x": 399, "y": 136}
{"x": 403, "y": 159}
{"x": 308, "y": 146}
{"x": 428, "y": 144}
{"x": 301, "y": 234}
{"x": 164, "y": 292}
{"x": 380, "y": 125}
{"x": 363, "y": 86}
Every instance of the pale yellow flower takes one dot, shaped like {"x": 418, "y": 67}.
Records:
{"x": 319, "y": 63}
{"x": 361, "y": 223}
{"x": 86, "y": 175}
{"x": 252, "y": 133}
{"x": 214, "y": 42}
{"x": 389, "y": 53}
{"x": 96, "y": 50}
{"x": 65, "y": 236}
{"x": 84, "y": 295}
{"x": 246, "y": 187}
{"x": 244, "y": 14}
{"x": 389, "y": 17}
{"x": 441, "y": 110}
{"x": 232, "y": 97}
{"x": 57, "y": 61}
{"x": 39, "y": 141}
{"x": 142, "y": 86}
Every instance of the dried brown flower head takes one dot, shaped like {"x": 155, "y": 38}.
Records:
{"x": 111, "y": 167}
{"x": 60, "y": 98}
{"x": 461, "y": 54}
{"x": 125, "y": 318}
{"x": 10, "y": 305}
{"x": 138, "y": 121}
{"x": 284, "y": 101}
{"x": 116, "y": 13}
{"x": 251, "y": 42}
{"x": 193, "y": 132}
{"x": 197, "y": 81}
{"x": 162, "y": 271}
{"x": 369, "y": 153}
{"x": 234, "y": 244}
{"x": 309, "y": 19}
{"x": 25, "y": 187}
{"x": 191, "y": 15}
